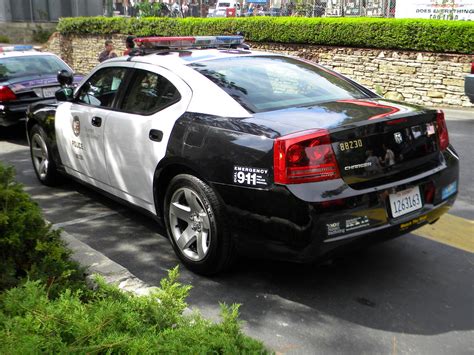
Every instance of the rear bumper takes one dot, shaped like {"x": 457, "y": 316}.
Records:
{"x": 306, "y": 222}
{"x": 12, "y": 114}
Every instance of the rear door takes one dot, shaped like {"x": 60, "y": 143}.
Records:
{"x": 136, "y": 136}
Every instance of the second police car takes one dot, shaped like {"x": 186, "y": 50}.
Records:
{"x": 238, "y": 150}
{"x": 26, "y": 76}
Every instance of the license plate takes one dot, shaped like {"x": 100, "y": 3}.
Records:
{"x": 405, "y": 201}
{"x": 49, "y": 92}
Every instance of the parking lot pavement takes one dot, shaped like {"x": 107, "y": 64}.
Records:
{"x": 410, "y": 295}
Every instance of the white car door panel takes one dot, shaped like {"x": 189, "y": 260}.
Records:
{"x": 81, "y": 139}
{"x": 80, "y": 125}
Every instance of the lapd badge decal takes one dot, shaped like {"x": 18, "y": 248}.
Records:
{"x": 398, "y": 137}
{"x": 76, "y": 126}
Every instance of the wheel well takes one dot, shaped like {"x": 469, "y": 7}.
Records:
{"x": 29, "y": 125}
{"x": 162, "y": 180}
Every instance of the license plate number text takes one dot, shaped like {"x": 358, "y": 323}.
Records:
{"x": 406, "y": 201}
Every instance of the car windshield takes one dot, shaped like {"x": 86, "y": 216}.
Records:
{"x": 267, "y": 83}
{"x": 14, "y": 67}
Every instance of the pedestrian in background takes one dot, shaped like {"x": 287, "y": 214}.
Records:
{"x": 185, "y": 9}
{"x": 129, "y": 45}
{"x": 108, "y": 51}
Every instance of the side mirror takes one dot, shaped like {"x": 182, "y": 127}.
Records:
{"x": 64, "y": 94}
{"x": 65, "y": 78}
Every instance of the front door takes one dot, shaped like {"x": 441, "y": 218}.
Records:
{"x": 80, "y": 125}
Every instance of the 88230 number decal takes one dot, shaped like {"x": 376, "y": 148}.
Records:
{"x": 353, "y": 144}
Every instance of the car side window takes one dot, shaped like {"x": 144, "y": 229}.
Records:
{"x": 102, "y": 87}
{"x": 149, "y": 93}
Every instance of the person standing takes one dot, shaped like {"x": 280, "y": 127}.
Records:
{"x": 129, "y": 45}
{"x": 108, "y": 51}
{"x": 185, "y": 9}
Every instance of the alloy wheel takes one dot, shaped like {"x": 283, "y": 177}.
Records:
{"x": 190, "y": 224}
{"x": 39, "y": 152}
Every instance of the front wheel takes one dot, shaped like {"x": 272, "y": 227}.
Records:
{"x": 43, "y": 164}
{"x": 196, "y": 226}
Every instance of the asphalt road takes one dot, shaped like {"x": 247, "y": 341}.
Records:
{"x": 409, "y": 295}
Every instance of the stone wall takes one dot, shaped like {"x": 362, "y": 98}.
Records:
{"x": 431, "y": 79}
{"x": 82, "y": 52}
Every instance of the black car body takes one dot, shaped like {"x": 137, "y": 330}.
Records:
{"x": 294, "y": 182}
{"x": 26, "y": 77}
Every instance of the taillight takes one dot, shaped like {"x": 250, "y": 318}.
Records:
{"x": 304, "y": 157}
{"x": 6, "y": 94}
{"x": 472, "y": 67}
{"x": 443, "y": 137}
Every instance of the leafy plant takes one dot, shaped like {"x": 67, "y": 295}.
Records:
{"x": 407, "y": 34}
{"x": 149, "y": 9}
{"x": 41, "y": 35}
{"x": 28, "y": 246}
{"x": 115, "y": 322}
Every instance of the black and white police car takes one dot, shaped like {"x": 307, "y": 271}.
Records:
{"x": 238, "y": 150}
{"x": 26, "y": 76}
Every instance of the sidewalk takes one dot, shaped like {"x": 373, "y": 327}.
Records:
{"x": 458, "y": 113}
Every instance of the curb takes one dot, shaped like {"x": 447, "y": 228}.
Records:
{"x": 97, "y": 263}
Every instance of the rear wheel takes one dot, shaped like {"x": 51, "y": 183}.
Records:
{"x": 43, "y": 164}
{"x": 194, "y": 218}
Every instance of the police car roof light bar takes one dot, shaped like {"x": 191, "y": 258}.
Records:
{"x": 170, "y": 42}
{"x": 18, "y": 48}
{"x": 190, "y": 42}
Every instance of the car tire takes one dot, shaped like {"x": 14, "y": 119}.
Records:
{"x": 40, "y": 152}
{"x": 195, "y": 221}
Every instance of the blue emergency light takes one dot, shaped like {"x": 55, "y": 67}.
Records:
{"x": 18, "y": 48}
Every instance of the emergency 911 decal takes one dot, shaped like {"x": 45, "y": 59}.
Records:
{"x": 249, "y": 176}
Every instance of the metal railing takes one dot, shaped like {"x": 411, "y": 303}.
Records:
{"x": 340, "y": 8}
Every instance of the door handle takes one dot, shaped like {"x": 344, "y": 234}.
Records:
{"x": 155, "y": 135}
{"x": 96, "y": 121}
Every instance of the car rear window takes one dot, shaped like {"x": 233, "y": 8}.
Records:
{"x": 14, "y": 67}
{"x": 267, "y": 83}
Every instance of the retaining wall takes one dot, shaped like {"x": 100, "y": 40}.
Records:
{"x": 431, "y": 79}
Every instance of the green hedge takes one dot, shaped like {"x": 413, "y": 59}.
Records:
{"x": 407, "y": 34}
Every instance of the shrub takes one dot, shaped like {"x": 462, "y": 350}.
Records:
{"x": 41, "y": 35}
{"x": 4, "y": 39}
{"x": 51, "y": 311}
{"x": 115, "y": 322}
{"x": 407, "y": 34}
{"x": 28, "y": 246}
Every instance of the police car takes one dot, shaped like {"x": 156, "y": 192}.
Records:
{"x": 245, "y": 151}
{"x": 26, "y": 76}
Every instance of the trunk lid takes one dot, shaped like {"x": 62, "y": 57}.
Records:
{"x": 375, "y": 141}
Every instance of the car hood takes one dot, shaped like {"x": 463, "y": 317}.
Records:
{"x": 26, "y": 83}
{"x": 331, "y": 115}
